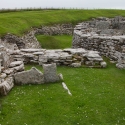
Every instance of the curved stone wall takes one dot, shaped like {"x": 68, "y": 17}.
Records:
{"x": 102, "y": 34}
{"x": 29, "y": 40}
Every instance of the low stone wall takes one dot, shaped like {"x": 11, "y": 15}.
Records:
{"x": 68, "y": 57}
{"x": 104, "y": 35}
{"x": 12, "y": 71}
{"x": 34, "y": 76}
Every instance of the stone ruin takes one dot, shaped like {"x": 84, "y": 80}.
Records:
{"x": 12, "y": 72}
{"x": 12, "y": 65}
{"x": 91, "y": 40}
{"x": 29, "y": 40}
{"x": 105, "y": 35}
{"x": 68, "y": 57}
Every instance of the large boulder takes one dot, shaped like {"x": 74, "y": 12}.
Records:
{"x": 32, "y": 76}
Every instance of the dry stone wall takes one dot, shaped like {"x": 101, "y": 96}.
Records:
{"x": 12, "y": 71}
{"x": 68, "y": 57}
{"x": 104, "y": 35}
{"x": 29, "y": 40}
{"x": 8, "y": 67}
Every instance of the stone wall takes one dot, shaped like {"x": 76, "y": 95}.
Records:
{"x": 7, "y": 69}
{"x": 68, "y": 57}
{"x": 102, "y": 34}
{"x": 29, "y": 40}
{"x": 12, "y": 71}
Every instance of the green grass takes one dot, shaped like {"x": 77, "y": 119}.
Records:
{"x": 20, "y": 22}
{"x": 55, "y": 42}
{"x": 97, "y": 94}
{"x": 97, "y": 99}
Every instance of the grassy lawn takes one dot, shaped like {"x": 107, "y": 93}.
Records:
{"x": 55, "y": 42}
{"x": 98, "y": 98}
{"x": 98, "y": 95}
{"x": 20, "y": 22}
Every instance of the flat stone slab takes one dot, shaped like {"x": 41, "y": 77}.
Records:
{"x": 32, "y": 50}
{"x": 74, "y": 51}
{"x": 38, "y": 53}
{"x": 28, "y": 55}
{"x": 15, "y": 63}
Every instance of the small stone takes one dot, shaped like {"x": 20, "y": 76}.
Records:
{"x": 103, "y": 64}
{"x": 16, "y": 63}
{"x": 3, "y": 75}
{"x": 76, "y": 64}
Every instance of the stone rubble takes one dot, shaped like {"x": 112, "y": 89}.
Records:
{"x": 12, "y": 71}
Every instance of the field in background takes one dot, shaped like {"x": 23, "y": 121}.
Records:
{"x": 20, "y": 22}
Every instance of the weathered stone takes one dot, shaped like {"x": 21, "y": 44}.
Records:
{"x": 32, "y": 76}
{"x": 76, "y": 64}
{"x": 53, "y": 56}
{"x": 102, "y": 25}
{"x": 15, "y": 40}
{"x": 15, "y": 63}
{"x": 32, "y": 50}
{"x": 38, "y": 53}
{"x": 103, "y": 64}
{"x": 50, "y": 74}
{"x": 6, "y": 86}
{"x": 42, "y": 59}
{"x": 3, "y": 75}
{"x": 106, "y": 36}
{"x": 28, "y": 55}
{"x": 19, "y": 68}
{"x": 120, "y": 66}
{"x": 65, "y": 55}
{"x": 9, "y": 71}
{"x": 0, "y": 65}
{"x": 6, "y": 59}
{"x": 74, "y": 51}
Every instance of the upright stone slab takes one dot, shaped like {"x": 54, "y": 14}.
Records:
{"x": 6, "y": 85}
{"x": 6, "y": 57}
{"x": 50, "y": 74}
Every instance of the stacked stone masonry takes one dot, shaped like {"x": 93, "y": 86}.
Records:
{"x": 106, "y": 35}
{"x": 29, "y": 40}
{"x": 101, "y": 36}
{"x": 68, "y": 57}
{"x": 12, "y": 71}
{"x": 12, "y": 65}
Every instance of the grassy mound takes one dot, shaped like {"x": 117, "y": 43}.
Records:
{"x": 19, "y": 22}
